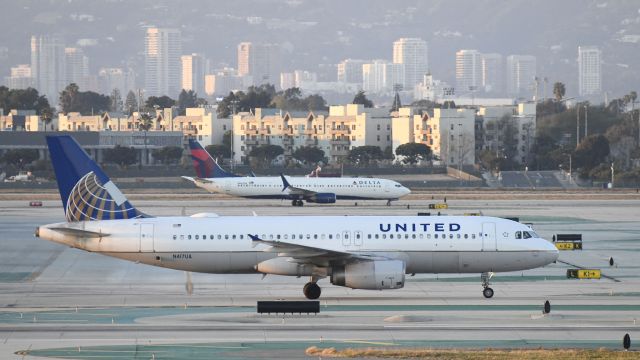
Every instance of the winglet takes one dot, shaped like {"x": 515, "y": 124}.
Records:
{"x": 285, "y": 183}
{"x": 255, "y": 240}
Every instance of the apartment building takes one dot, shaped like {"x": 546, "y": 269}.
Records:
{"x": 501, "y": 122}
{"x": 336, "y": 132}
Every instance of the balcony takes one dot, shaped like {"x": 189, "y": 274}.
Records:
{"x": 340, "y": 141}
{"x": 311, "y": 142}
{"x": 342, "y": 130}
{"x": 251, "y": 142}
{"x": 251, "y": 131}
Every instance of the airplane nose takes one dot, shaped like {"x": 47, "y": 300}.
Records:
{"x": 405, "y": 191}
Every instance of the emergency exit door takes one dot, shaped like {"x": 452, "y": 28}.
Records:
{"x": 146, "y": 238}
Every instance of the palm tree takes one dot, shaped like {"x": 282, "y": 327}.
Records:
{"x": 558, "y": 90}
{"x": 46, "y": 116}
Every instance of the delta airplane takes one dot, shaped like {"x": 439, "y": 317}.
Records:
{"x": 359, "y": 252}
{"x": 310, "y": 189}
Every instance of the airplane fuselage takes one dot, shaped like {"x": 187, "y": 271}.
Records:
{"x": 210, "y": 244}
{"x": 270, "y": 187}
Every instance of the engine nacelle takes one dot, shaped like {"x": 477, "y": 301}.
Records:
{"x": 371, "y": 275}
{"x": 282, "y": 266}
{"x": 322, "y": 198}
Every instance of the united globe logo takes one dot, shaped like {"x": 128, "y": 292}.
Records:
{"x": 91, "y": 200}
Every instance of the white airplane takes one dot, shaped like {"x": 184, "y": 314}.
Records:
{"x": 359, "y": 252}
{"x": 322, "y": 190}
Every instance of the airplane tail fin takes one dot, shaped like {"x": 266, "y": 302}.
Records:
{"x": 86, "y": 191}
{"x": 204, "y": 164}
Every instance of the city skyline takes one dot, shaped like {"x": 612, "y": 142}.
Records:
{"x": 556, "y": 59}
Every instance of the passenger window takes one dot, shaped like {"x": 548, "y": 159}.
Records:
{"x": 315, "y": 236}
{"x": 278, "y": 236}
{"x": 197, "y": 237}
{"x": 473, "y": 236}
{"x": 377, "y": 236}
{"x": 466, "y": 236}
{"x": 338, "y": 236}
{"x": 450, "y": 236}
{"x": 233, "y": 237}
{"x": 459, "y": 236}
{"x": 300, "y": 237}
{"x": 219, "y": 237}
{"x": 241, "y": 237}
{"x": 369, "y": 236}
{"x": 390, "y": 236}
{"x": 181, "y": 237}
{"x": 189, "y": 237}
{"x": 428, "y": 236}
{"x": 210, "y": 237}
{"x": 330, "y": 236}
{"x": 413, "y": 236}
{"x": 226, "y": 237}
{"x": 308, "y": 236}
{"x": 322, "y": 236}
{"x": 175, "y": 237}
{"x": 293, "y": 236}
{"x": 270, "y": 236}
{"x": 518, "y": 235}
{"x": 384, "y": 236}
{"x": 406, "y": 236}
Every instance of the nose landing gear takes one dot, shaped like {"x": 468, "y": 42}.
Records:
{"x": 487, "y": 291}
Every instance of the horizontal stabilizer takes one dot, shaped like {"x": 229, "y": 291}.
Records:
{"x": 79, "y": 232}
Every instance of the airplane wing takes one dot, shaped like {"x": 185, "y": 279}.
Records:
{"x": 197, "y": 179}
{"x": 295, "y": 190}
{"x": 311, "y": 254}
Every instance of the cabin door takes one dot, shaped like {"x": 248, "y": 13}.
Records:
{"x": 146, "y": 238}
{"x": 489, "y": 241}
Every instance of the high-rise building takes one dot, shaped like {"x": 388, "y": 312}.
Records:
{"x": 162, "y": 62}
{"x": 492, "y": 73}
{"x": 350, "y": 71}
{"x": 116, "y": 78}
{"x": 468, "y": 71}
{"x": 224, "y": 81}
{"x": 193, "y": 70}
{"x": 374, "y": 76}
{"x": 260, "y": 61}
{"x": 47, "y": 65}
{"x": 589, "y": 70}
{"x": 20, "y": 77}
{"x": 521, "y": 75}
{"x": 76, "y": 67}
{"x": 412, "y": 53}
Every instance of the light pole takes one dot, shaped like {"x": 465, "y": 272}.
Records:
{"x": 585, "y": 121}
{"x": 577, "y": 125}
{"x": 460, "y": 152}
{"x": 612, "y": 171}
{"x": 234, "y": 103}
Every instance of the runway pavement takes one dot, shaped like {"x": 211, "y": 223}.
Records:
{"x": 66, "y": 303}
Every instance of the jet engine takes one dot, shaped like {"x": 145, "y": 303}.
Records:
{"x": 284, "y": 266}
{"x": 322, "y": 198}
{"x": 370, "y": 275}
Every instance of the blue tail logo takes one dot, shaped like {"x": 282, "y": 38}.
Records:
{"x": 87, "y": 192}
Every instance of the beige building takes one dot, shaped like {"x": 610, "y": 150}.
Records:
{"x": 25, "y": 120}
{"x": 521, "y": 119}
{"x": 408, "y": 127}
{"x": 343, "y": 128}
{"x": 201, "y": 124}
{"x": 450, "y": 133}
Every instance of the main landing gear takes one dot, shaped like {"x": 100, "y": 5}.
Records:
{"x": 485, "y": 277}
{"x": 311, "y": 290}
{"x": 297, "y": 203}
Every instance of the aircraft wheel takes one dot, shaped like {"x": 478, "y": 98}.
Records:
{"x": 300, "y": 203}
{"x": 311, "y": 291}
{"x": 487, "y": 292}
{"x": 294, "y": 202}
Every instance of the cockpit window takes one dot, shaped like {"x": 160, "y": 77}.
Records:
{"x": 526, "y": 235}
{"x": 518, "y": 234}
{"x": 398, "y": 185}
